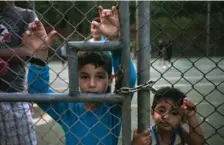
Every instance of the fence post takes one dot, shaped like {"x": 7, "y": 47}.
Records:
{"x": 33, "y": 5}
{"x": 143, "y": 63}
{"x": 208, "y": 21}
{"x": 125, "y": 61}
{"x": 72, "y": 70}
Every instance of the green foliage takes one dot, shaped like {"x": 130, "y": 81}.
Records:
{"x": 179, "y": 21}
{"x": 169, "y": 28}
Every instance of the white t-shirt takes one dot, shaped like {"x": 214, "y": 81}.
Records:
{"x": 176, "y": 140}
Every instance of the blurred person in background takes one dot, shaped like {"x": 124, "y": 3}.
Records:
{"x": 165, "y": 52}
{"x": 63, "y": 55}
{"x": 16, "y": 126}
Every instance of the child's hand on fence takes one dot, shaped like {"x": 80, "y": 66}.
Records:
{"x": 188, "y": 108}
{"x": 34, "y": 46}
{"x": 37, "y": 41}
{"x": 143, "y": 138}
{"x": 42, "y": 39}
{"x": 109, "y": 22}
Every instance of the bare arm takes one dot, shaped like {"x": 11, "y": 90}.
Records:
{"x": 195, "y": 131}
{"x": 10, "y": 54}
{"x": 195, "y": 135}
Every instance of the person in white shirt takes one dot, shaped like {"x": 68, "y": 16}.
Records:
{"x": 63, "y": 54}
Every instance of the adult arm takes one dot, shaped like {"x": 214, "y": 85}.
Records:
{"x": 13, "y": 54}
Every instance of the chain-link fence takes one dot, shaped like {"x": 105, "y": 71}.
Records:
{"x": 185, "y": 38}
{"x": 176, "y": 44}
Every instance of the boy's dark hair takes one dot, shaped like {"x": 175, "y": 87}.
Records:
{"x": 99, "y": 59}
{"x": 168, "y": 93}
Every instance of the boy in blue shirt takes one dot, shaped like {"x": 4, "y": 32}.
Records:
{"x": 84, "y": 123}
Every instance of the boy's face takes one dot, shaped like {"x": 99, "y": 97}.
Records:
{"x": 93, "y": 79}
{"x": 167, "y": 115}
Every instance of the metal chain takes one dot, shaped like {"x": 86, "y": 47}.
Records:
{"x": 125, "y": 90}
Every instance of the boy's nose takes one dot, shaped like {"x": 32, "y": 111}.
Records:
{"x": 165, "y": 116}
{"x": 92, "y": 83}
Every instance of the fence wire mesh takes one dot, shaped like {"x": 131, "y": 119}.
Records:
{"x": 184, "y": 52}
{"x": 185, "y": 38}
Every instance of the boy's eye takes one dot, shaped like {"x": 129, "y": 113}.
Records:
{"x": 174, "y": 113}
{"x": 101, "y": 77}
{"x": 84, "y": 77}
{"x": 161, "y": 111}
